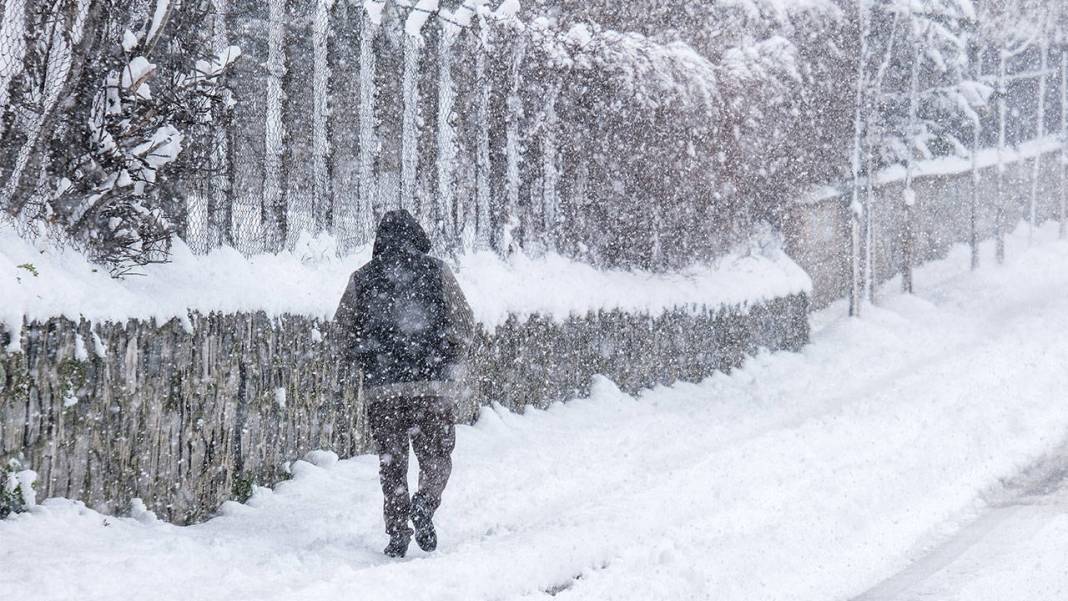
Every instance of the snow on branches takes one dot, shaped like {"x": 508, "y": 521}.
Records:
{"x": 133, "y": 135}
{"x": 105, "y": 99}
{"x": 108, "y": 202}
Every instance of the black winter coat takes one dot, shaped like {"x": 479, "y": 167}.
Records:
{"x": 403, "y": 317}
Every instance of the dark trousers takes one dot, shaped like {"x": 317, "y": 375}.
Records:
{"x": 427, "y": 423}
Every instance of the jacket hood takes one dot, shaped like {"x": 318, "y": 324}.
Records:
{"x": 399, "y": 232}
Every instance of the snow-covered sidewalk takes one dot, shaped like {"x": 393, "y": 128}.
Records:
{"x": 813, "y": 475}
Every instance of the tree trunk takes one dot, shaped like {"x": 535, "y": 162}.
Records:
{"x": 343, "y": 119}
{"x": 221, "y": 201}
{"x": 322, "y": 191}
{"x": 514, "y": 107}
{"x": 483, "y": 225}
{"x": 977, "y": 130}
{"x": 299, "y": 105}
{"x": 413, "y": 46}
{"x": 368, "y": 134}
{"x": 550, "y": 174}
{"x": 446, "y": 139}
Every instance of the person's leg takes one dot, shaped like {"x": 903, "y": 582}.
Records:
{"x": 390, "y": 421}
{"x": 433, "y": 439}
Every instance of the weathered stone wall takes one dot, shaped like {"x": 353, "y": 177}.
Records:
{"x": 818, "y": 231}
{"x": 188, "y": 415}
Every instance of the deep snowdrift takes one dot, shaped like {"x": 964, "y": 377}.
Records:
{"x": 801, "y": 476}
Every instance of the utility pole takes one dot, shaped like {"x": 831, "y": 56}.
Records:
{"x": 977, "y": 131}
{"x": 1064, "y": 138}
{"x": 909, "y": 194}
{"x": 999, "y": 198}
{"x": 1040, "y": 132}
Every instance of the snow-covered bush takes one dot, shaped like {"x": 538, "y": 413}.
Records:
{"x": 16, "y": 489}
{"x": 110, "y": 200}
{"x": 97, "y": 125}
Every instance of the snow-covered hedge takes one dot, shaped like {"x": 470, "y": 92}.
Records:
{"x": 16, "y": 488}
{"x": 187, "y": 415}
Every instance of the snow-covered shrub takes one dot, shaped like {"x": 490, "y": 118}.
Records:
{"x": 16, "y": 489}
{"x": 98, "y": 125}
{"x": 110, "y": 202}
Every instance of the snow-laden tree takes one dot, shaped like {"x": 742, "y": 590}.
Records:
{"x": 1009, "y": 29}
{"x": 778, "y": 69}
{"x": 943, "y": 96}
{"x": 916, "y": 97}
{"x": 107, "y": 201}
{"x": 109, "y": 97}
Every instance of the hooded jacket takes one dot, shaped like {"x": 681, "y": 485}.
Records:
{"x": 403, "y": 319}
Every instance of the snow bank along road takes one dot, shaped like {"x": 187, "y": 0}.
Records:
{"x": 813, "y": 475}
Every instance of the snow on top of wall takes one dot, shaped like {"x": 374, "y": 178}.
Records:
{"x": 39, "y": 280}
{"x": 557, "y": 286}
{"x": 951, "y": 165}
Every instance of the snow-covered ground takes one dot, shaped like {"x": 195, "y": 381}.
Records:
{"x": 811, "y": 475}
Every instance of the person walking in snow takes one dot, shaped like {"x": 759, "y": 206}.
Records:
{"x": 405, "y": 324}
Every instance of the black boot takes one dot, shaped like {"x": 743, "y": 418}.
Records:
{"x": 425, "y": 536}
{"x": 398, "y": 545}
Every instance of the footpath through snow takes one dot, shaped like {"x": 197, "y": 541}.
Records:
{"x": 813, "y": 475}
